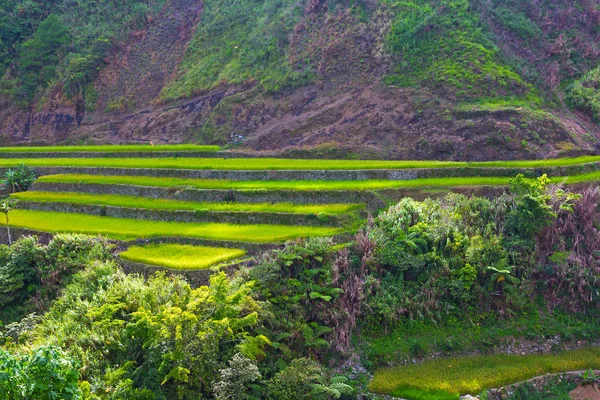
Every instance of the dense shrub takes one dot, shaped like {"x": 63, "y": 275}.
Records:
{"x": 305, "y": 379}
{"x": 43, "y": 374}
{"x": 20, "y": 178}
{"x": 31, "y": 274}
{"x": 475, "y": 255}
{"x": 585, "y": 94}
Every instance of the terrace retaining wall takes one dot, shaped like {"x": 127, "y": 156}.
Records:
{"x": 195, "y": 278}
{"x": 129, "y": 154}
{"x": 190, "y": 216}
{"x": 323, "y": 175}
{"x": 374, "y": 200}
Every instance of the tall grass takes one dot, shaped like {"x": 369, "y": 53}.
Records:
{"x": 124, "y": 228}
{"x": 165, "y": 204}
{"x": 284, "y": 164}
{"x": 121, "y": 148}
{"x": 177, "y": 256}
{"x": 473, "y": 374}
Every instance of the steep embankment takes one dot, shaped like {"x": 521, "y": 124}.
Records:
{"x": 444, "y": 79}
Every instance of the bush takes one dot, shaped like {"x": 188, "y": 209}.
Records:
{"x": 585, "y": 94}
{"x": 29, "y": 270}
{"x": 19, "y": 179}
{"x": 305, "y": 379}
{"x": 45, "y": 374}
{"x": 153, "y": 339}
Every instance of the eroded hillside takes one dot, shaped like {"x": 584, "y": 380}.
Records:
{"x": 446, "y": 79}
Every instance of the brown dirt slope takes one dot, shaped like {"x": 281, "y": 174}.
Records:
{"x": 346, "y": 112}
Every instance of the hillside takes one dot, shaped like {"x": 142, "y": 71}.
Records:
{"x": 185, "y": 272}
{"x": 415, "y": 79}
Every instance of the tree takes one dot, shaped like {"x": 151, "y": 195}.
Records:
{"x": 6, "y": 206}
{"x": 39, "y": 55}
{"x": 19, "y": 179}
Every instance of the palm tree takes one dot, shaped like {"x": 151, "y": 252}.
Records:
{"x": 6, "y": 206}
{"x": 499, "y": 277}
{"x": 11, "y": 179}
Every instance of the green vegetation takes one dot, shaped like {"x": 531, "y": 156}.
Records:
{"x": 20, "y": 178}
{"x": 284, "y": 164}
{"x": 556, "y": 389}
{"x": 240, "y": 42}
{"x": 449, "y": 275}
{"x": 55, "y": 42}
{"x": 164, "y": 204}
{"x": 31, "y": 274}
{"x": 151, "y": 339}
{"x": 178, "y": 256}
{"x": 442, "y": 41}
{"x": 270, "y": 185}
{"x": 118, "y": 148}
{"x": 44, "y": 374}
{"x": 122, "y": 228}
{"x": 485, "y": 333}
{"x": 472, "y": 374}
{"x": 298, "y": 185}
{"x": 585, "y": 94}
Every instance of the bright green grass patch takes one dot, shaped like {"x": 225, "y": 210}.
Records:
{"x": 178, "y": 256}
{"x": 272, "y": 185}
{"x": 283, "y": 164}
{"x": 164, "y": 204}
{"x": 472, "y": 374}
{"x": 108, "y": 148}
{"x": 124, "y": 228}
{"x": 298, "y": 185}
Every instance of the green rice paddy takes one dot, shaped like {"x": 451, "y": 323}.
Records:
{"x": 177, "y": 256}
{"x": 447, "y": 378}
{"x": 124, "y": 228}
{"x": 273, "y": 185}
{"x": 165, "y": 204}
{"x": 283, "y": 164}
{"x": 301, "y": 185}
{"x": 122, "y": 148}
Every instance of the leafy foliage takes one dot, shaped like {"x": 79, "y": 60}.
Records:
{"x": 584, "y": 94}
{"x": 157, "y": 338}
{"x": 305, "y": 379}
{"x": 44, "y": 374}
{"x": 32, "y": 274}
{"x": 38, "y": 40}
{"x": 20, "y": 178}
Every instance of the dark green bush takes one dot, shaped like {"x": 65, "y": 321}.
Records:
{"x": 20, "y": 178}
{"x": 584, "y": 94}
{"x": 30, "y": 271}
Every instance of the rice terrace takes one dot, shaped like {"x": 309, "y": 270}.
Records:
{"x": 187, "y": 210}
{"x": 299, "y": 200}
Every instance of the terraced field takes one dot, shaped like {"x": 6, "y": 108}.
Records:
{"x": 169, "y": 193}
{"x": 180, "y": 209}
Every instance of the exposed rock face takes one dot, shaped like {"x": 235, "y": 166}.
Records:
{"x": 347, "y": 112}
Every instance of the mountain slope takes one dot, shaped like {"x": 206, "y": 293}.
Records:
{"x": 447, "y": 79}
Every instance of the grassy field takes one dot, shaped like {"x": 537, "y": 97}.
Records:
{"x": 299, "y": 185}
{"x": 282, "y": 164}
{"x": 178, "y": 256}
{"x": 109, "y": 148}
{"x": 446, "y": 378}
{"x": 164, "y": 204}
{"x": 123, "y": 228}
{"x": 273, "y": 185}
